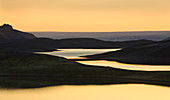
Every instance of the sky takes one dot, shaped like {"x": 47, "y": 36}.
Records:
{"x": 86, "y": 15}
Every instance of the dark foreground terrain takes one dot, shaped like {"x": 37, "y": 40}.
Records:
{"x": 27, "y": 70}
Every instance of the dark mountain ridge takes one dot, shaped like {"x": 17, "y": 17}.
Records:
{"x": 7, "y": 33}
{"x": 154, "y": 53}
{"x": 46, "y": 44}
{"x": 12, "y": 40}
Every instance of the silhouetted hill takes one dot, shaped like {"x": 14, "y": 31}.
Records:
{"x": 96, "y": 43}
{"x": 12, "y": 40}
{"x": 155, "y": 53}
{"x": 46, "y": 44}
{"x": 7, "y": 33}
{"x": 31, "y": 45}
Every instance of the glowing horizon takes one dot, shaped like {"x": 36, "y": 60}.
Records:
{"x": 86, "y": 15}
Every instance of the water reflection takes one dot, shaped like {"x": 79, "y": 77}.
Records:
{"x": 106, "y": 92}
{"x": 74, "y": 53}
{"x": 115, "y": 64}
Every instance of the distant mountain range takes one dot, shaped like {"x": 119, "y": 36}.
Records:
{"x": 16, "y": 41}
{"x": 108, "y": 36}
{"x": 46, "y": 44}
{"x": 136, "y": 51}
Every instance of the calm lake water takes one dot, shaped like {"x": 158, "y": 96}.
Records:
{"x": 106, "y": 92}
{"x": 115, "y": 64}
{"x": 75, "y": 53}
{"x": 92, "y": 92}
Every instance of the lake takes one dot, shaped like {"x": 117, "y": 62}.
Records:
{"x": 106, "y": 92}
{"x": 76, "y": 53}
{"x": 92, "y": 92}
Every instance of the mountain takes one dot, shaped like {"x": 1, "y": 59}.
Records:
{"x": 7, "y": 33}
{"x": 154, "y": 53}
{"x": 46, "y": 44}
{"x": 108, "y": 36}
{"x": 12, "y": 40}
{"x": 96, "y": 43}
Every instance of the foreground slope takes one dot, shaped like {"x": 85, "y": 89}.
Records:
{"x": 26, "y": 70}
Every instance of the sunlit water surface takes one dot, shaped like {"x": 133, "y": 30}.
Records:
{"x": 76, "y": 53}
{"x": 92, "y": 92}
{"x": 115, "y": 64}
{"x": 106, "y": 92}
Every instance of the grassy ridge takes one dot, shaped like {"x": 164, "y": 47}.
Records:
{"x": 27, "y": 70}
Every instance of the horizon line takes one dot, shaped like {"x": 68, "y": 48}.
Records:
{"x": 100, "y": 31}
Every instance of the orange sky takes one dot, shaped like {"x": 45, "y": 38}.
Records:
{"x": 86, "y": 15}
